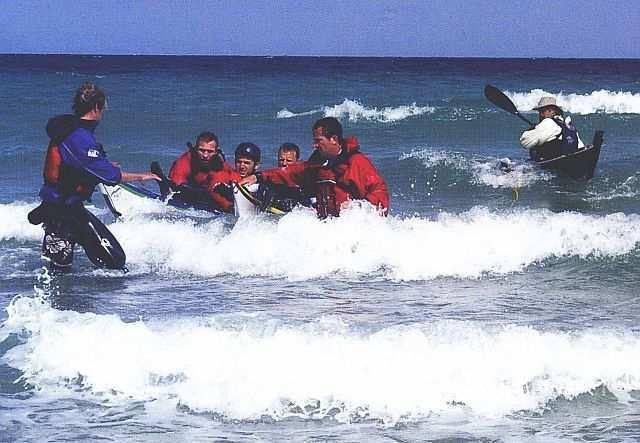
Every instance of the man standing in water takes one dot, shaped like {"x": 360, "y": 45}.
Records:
{"x": 336, "y": 173}
{"x": 554, "y": 136}
{"x": 74, "y": 165}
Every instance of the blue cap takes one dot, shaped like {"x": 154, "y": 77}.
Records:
{"x": 248, "y": 150}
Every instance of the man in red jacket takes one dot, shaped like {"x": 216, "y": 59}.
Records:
{"x": 202, "y": 174}
{"x": 336, "y": 172}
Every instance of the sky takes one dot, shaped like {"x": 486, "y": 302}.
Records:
{"x": 437, "y": 28}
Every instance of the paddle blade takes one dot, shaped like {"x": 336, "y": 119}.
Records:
{"x": 497, "y": 97}
{"x": 165, "y": 183}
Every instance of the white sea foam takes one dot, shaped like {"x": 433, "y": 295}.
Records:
{"x": 601, "y": 101}
{"x": 484, "y": 171}
{"x": 520, "y": 176}
{"x": 247, "y": 366}
{"x": 629, "y": 189}
{"x": 14, "y": 224}
{"x": 285, "y": 113}
{"x": 354, "y": 111}
{"x": 466, "y": 245}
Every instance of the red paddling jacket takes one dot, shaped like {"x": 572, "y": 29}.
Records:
{"x": 215, "y": 177}
{"x": 350, "y": 176}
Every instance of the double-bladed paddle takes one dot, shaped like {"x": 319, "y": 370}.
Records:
{"x": 498, "y": 98}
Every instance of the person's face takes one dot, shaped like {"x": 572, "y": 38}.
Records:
{"x": 245, "y": 166}
{"x": 96, "y": 113}
{"x": 286, "y": 157}
{"x": 547, "y": 112}
{"x": 207, "y": 150}
{"x": 328, "y": 146}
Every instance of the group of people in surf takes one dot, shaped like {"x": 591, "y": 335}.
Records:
{"x": 335, "y": 173}
{"x": 75, "y": 163}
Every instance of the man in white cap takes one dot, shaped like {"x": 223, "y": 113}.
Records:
{"x": 554, "y": 136}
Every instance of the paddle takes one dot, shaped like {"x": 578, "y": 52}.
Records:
{"x": 165, "y": 184}
{"x": 497, "y": 97}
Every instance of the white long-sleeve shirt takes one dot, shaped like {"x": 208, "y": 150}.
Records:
{"x": 544, "y": 132}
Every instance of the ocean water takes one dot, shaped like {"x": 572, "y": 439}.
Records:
{"x": 486, "y": 307}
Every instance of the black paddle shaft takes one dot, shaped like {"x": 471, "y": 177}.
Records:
{"x": 498, "y": 98}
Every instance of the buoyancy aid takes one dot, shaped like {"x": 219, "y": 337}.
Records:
{"x": 188, "y": 169}
{"x": 213, "y": 177}
{"x": 565, "y": 143}
{"x": 75, "y": 163}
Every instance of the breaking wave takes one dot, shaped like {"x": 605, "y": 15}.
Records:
{"x": 415, "y": 248}
{"x": 248, "y": 366}
{"x": 354, "y": 111}
{"x": 602, "y": 101}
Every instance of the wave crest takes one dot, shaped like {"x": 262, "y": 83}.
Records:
{"x": 354, "y": 111}
{"x": 246, "y": 366}
{"x": 467, "y": 245}
{"x": 601, "y": 101}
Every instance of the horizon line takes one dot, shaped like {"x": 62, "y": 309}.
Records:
{"x": 311, "y": 56}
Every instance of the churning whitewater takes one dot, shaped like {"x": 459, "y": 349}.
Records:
{"x": 487, "y": 306}
{"x": 246, "y": 366}
{"x": 465, "y": 245}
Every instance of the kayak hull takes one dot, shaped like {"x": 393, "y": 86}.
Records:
{"x": 577, "y": 165}
{"x": 176, "y": 201}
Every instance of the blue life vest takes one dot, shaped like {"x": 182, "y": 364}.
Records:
{"x": 568, "y": 137}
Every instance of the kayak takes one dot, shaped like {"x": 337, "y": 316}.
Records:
{"x": 579, "y": 164}
{"x": 245, "y": 202}
{"x": 175, "y": 200}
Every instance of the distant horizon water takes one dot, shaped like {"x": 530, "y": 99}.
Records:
{"x": 315, "y": 56}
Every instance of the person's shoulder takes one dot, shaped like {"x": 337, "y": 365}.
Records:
{"x": 185, "y": 156}
{"x": 359, "y": 157}
{"x": 60, "y": 126}
{"x": 80, "y": 138}
{"x": 549, "y": 123}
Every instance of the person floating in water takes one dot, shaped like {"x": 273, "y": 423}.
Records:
{"x": 553, "y": 136}
{"x": 75, "y": 164}
{"x": 336, "y": 172}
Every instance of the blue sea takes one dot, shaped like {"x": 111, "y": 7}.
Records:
{"x": 486, "y": 307}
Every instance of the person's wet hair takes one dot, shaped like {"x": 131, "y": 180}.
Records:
{"x": 206, "y": 137}
{"x": 330, "y": 127}
{"x": 290, "y": 147}
{"x": 87, "y": 97}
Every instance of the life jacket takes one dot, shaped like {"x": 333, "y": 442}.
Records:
{"x": 75, "y": 163}
{"x": 331, "y": 188}
{"x": 218, "y": 186}
{"x": 565, "y": 143}
{"x": 188, "y": 169}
